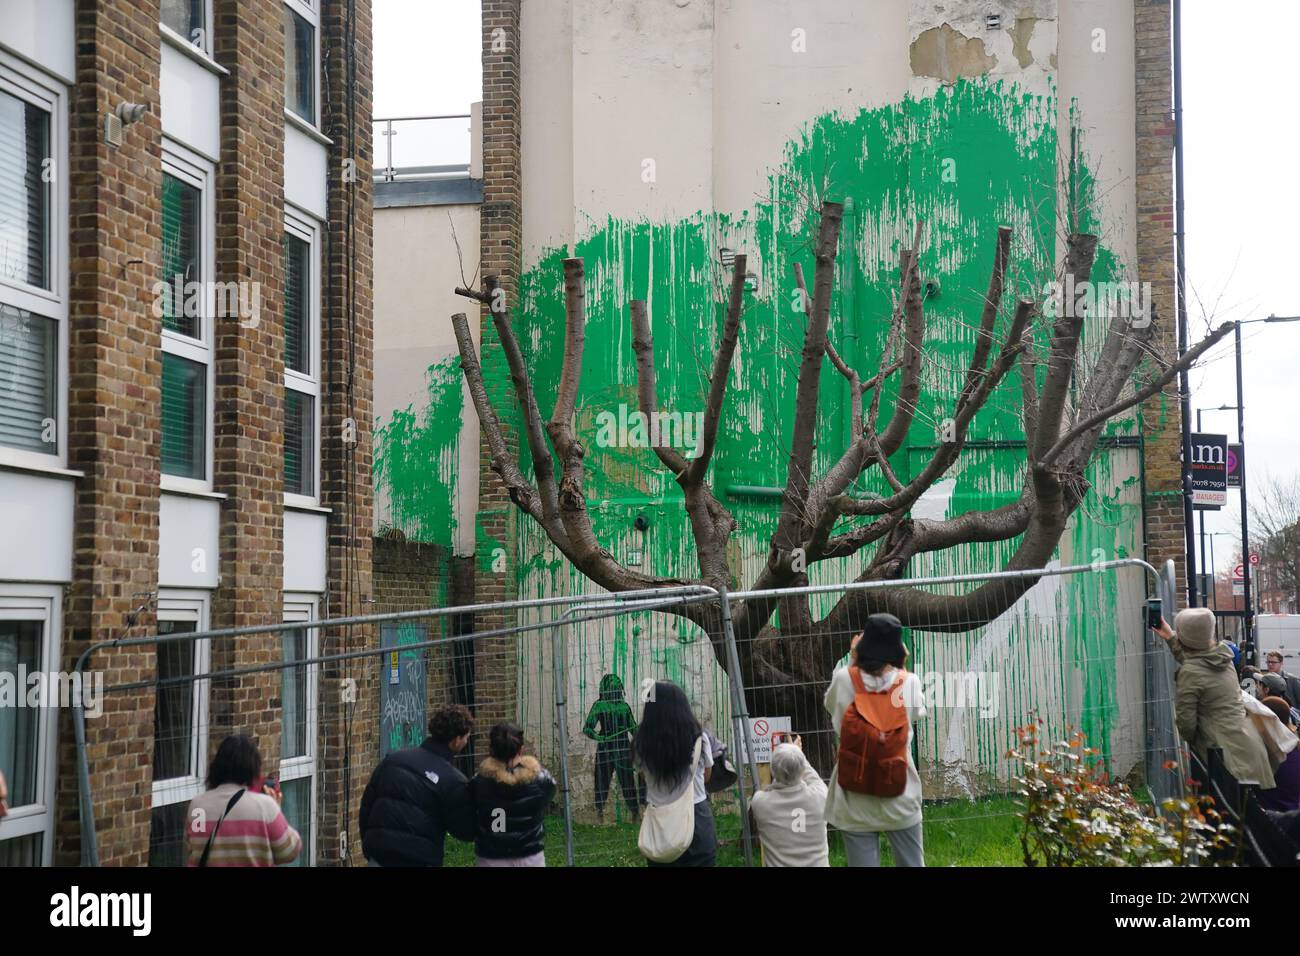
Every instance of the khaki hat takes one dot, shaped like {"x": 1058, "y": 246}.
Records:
{"x": 1194, "y": 628}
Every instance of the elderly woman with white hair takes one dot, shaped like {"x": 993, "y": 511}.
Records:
{"x": 1208, "y": 707}
{"x": 789, "y": 815}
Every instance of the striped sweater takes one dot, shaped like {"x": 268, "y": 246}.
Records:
{"x": 254, "y": 833}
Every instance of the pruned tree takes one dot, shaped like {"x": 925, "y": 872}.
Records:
{"x": 1275, "y": 526}
{"x": 821, "y": 518}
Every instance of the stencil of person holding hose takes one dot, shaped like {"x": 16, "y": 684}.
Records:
{"x": 610, "y": 723}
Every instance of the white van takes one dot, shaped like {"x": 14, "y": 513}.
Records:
{"x": 1279, "y": 632}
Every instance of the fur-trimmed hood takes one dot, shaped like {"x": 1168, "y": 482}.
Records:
{"x": 523, "y": 773}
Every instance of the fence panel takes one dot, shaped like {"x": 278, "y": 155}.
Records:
{"x": 572, "y": 672}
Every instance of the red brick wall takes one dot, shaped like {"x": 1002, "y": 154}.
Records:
{"x": 1161, "y": 421}
{"x": 114, "y": 428}
{"x": 248, "y": 421}
{"x": 347, "y": 419}
{"x": 500, "y": 237}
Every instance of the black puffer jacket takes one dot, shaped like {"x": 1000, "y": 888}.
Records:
{"x": 414, "y": 798}
{"x": 510, "y": 804}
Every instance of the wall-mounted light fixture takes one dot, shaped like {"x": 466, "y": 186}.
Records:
{"x": 124, "y": 115}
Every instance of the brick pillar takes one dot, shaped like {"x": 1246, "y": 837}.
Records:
{"x": 500, "y": 239}
{"x": 248, "y": 422}
{"x": 1161, "y": 419}
{"x": 347, "y": 369}
{"x": 114, "y": 424}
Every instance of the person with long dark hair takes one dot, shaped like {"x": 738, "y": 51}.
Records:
{"x": 672, "y": 753}
{"x": 238, "y": 821}
{"x": 511, "y": 792}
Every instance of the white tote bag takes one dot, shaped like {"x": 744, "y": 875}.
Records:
{"x": 667, "y": 831}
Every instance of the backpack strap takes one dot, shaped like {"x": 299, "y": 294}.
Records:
{"x": 207, "y": 850}
{"x": 696, "y": 754}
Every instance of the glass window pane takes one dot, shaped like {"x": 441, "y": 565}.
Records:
{"x": 21, "y": 851}
{"x": 299, "y": 443}
{"x": 297, "y": 300}
{"x": 184, "y": 417}
{"x": 293, "y": 695}
{"x": 181, "y": 292}
{"x": 186, "y": 18}
{"x": 24, "y": 192}
{"x": 299, "y": 66}
{"x": 173, "y": 714}
{"x": 28, "y": 380}
{"x": 168, "y": 845}
{"x": 297, "y": 810}
{"x": 20, "y": 653}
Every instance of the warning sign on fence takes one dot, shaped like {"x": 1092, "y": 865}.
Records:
{"x": 760, "y": 735}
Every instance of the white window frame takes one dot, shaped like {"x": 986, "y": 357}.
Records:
{"x": 301, "y": 226}
{"x": 178, "y": 39}
{"x": 189, "y": 606}
{"x": 309, "y": 11}
{"x": 19, "y": 79}
{"x": 194, "y": 169}
{"x": 303, "y": 608}
{"x": 34, "y": 602}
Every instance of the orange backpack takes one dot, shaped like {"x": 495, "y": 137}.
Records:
{"x": 873, "y": 741}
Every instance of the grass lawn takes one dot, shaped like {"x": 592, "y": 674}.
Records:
{"x": 959, "y": 833}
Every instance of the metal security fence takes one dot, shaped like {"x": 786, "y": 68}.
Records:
{"x": 326, "y": 699}
{"x": 1072, "y": 654}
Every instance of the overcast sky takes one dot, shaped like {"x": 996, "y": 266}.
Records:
{"x": 1243, "y": 202}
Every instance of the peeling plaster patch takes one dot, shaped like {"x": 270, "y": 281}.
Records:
{"x": 1021, "y": 34}
{"x": 948, "y": 55}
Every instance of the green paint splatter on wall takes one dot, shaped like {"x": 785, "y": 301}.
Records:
{"x": 964, "y": 160}
{"x": 417, "y": 454}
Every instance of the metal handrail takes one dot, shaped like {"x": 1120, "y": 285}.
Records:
{"x": 389, "y": 172}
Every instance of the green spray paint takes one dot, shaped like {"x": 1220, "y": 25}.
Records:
{"x": 965, "y": 160}
{"x": 417, "y": 457}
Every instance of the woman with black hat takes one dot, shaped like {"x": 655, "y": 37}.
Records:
{"x": 874, "y": 789}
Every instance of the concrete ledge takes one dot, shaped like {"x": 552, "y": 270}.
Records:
{"x": 428, "y": 192}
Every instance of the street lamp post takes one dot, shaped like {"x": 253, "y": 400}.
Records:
{"x": 1248, "y": 623}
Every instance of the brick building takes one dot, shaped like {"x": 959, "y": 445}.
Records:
{"x": 185, "y": 403}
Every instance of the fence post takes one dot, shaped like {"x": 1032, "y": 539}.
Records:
{"x": 85, "y": 799}
{"x": 559, "y": 668}
{"x": 740, "y": 717}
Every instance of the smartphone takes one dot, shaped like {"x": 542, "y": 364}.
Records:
{"x": 782, "y": 737}
{"x": 1155, "y": 613}
{"x": 270, "y": 785}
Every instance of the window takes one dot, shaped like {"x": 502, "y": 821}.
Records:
{"x": 300, "y": 47}
{"x": 301, "y": 358}
{"x": 29, "y": 644}
{"x": 24, "y": 191}
{"x": 183, "y": 301}
{"x": 188, "y": 18}
{"x": 182, "y": 222}
{"x": 298, "y": 723}
{"x": 33, "y": 286}
{"x": 180, "y": 723}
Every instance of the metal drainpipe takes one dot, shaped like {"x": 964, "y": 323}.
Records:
{"x": 1180, "y": 291}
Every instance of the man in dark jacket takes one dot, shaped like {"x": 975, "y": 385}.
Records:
{"x": 417, "y": 796}
{"x": 1274, "y": 661}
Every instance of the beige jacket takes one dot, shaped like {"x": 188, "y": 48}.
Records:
{"x": 791, "y": 821}
{"x": 1210, "y": 713}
